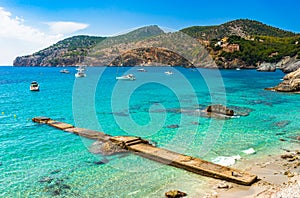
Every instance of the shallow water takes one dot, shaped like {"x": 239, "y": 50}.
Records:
{"x": 40, "y": 161}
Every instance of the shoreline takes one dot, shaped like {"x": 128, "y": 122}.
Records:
{"x": 278, "y": 176}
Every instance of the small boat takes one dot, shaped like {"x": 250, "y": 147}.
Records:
{"x": 238, "y": 69}
{"x": 126, "y": 77}
{"x": 141, "y": 70}
{"x": 64, "y": 71}
{"x": 169, "y": 72}
{"x": 34, "y": 86}
{"x": 80, "y": 72}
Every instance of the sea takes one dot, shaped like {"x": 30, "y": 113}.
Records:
{"x": 37, "y": 160}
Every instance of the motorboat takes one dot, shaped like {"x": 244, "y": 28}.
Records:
{"x": 80, "y": 72}
{"x": 64, "y": 71}
{"x": 141, "y": 70}
{"x": 126, "y": 77}
{"x": 34, "y": 86}
{"x": 168, "y": 72}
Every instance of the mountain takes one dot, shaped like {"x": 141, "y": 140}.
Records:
{"x": 240, "y": 43}
{"x": 72, "y": 51}
{"x": 240, "y": 27}
{"x": 66, "y": 52}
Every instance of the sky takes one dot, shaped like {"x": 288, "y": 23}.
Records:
{"x": 27, "y": 26}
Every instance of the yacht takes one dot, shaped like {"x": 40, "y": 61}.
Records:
{"x": 34, "y": 86}
{"x": 126, "y": 77}
{"x": 168, "y": 72}
{"x": 80, "y": 72}
{"x": 64, "y": 71}
{"x": 141, "y": 70}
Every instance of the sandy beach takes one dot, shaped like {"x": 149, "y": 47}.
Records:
{"x": 278, "y": 177}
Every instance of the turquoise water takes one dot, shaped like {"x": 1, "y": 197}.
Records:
{"x": 32, "y": 153}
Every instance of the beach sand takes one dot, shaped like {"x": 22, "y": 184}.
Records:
{"x": 278, "y": 177}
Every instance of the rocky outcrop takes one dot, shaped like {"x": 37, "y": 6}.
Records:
{"x": 175, "y": 194}
{"x": 291, "y": 83}
{"x": 291, "y": 67}
{"x": 220, "y": 109}
{"x": 266, "y": 67}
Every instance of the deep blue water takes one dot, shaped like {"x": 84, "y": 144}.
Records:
{"x": 146, "y": 107}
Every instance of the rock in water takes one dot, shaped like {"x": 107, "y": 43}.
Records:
{"x": 106, "y": 148}
{"x": 291, "y": 83}
{"x": 175, "y": 194}
{"x": 220, "y": 109}
{"x": 46, "y": 180}
{"x": 173, "y": 126}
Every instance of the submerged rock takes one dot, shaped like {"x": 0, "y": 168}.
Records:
{"x": 46, "y": 180}
{"x": 175, "y": 194}
{"x": 106, "y": 148}
{"x": 173, "y": 126}
{"x": 291, "y": 83}
{"x": 282, "y": 123}
{"x": 55, "y": 171}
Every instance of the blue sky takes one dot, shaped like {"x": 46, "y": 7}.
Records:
{"x": 50, "y": 21}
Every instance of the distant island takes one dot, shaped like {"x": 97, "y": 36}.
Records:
{"x": 240, "y": 43}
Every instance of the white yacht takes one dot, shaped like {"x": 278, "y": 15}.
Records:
{"x": 168, "y": 72}
{"x": 80, "y": 72}
{"x": 141, "y": 70}
{"x": 34, "y": 86}
{"x": 126, "y": 77}
{"x": 64, "y": 71}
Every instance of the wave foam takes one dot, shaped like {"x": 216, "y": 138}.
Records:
{"x": 226, "y": 161}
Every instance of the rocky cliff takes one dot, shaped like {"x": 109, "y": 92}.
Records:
{"x": 150, "y": 57}
{"x": 290, "y": 83}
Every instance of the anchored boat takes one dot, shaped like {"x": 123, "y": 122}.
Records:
{"x": 80, "y": 72}
{"x": 126, "y": 77}
{"x": 34, "y": 86}
{"x": 64, "y": 71}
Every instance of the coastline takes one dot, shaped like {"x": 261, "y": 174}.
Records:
{"x": 278, "y": 176}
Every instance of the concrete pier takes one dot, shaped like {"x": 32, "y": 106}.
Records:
{"x": 143, "y": 148}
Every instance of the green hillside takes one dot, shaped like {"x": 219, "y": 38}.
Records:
{"x": 240, "y": 27}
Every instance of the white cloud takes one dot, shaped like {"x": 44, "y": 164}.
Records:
{"x": 65, "y": 27}
{"x": 18, "y": 39}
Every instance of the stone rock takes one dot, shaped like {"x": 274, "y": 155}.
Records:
{"x": 267, "y": 67}
{"x": 291, "y": 83}
{"x": 46, "y": 180}
{"x": 282, "y": 123}
{"x": 224, "y": 185}
{"x": 289, "y": 173}
{"x": 55, "y": 171}
{"x": 175, "y": 194}
{"x": 220, "y": 109}
{"x": 173, "y": 126}
{"x": 286, "y": 156}
{"x": 291, "y": 67}
{"x": 106, "y": 148}
{"x": 195, "y": 123}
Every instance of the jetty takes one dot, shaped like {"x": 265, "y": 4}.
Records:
{"x": 143, "y": 148}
